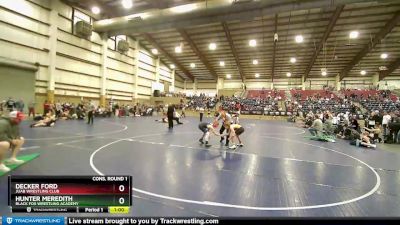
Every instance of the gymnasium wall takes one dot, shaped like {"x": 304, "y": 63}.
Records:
{"x": 25, "y": 80}
{"x": 26, "y": 31}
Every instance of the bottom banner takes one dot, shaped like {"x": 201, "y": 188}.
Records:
{"x": 205, "y": 221}
{"x": 10, "y": 220}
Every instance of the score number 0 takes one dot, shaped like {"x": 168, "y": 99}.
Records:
{"x": 121, "y": 200}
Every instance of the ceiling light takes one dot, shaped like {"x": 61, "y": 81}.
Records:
{"x": 384, "y": 55}
{"x": 212, "y": 46}
{"x": 252, "y": 43}
{"x": 382, "y": 68}
{"x": 172, "y": 66}
{"x": 288, "y": 74}
{"x": 363, "y": 72}
{"x": 192, "y": 65}
{"x": 228, "y": 76}
{"x": 293, "y": 60}
{"x": 323, "y": 71}
{"x": 299, "y": 38}
{"x": 255, "y": 62}
{"x": 184, "y": 8}
{"x": 221, "y": 63}
{"x": 154, "y": 51}
{"x": 257, "y": 75}
{"x": 353, "y": 35}
{"x": 95, "y": 10}
{"x": 178, "y": 49}
{"x": 127, "y": 4}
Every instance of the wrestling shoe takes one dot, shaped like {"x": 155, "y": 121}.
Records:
{"x": 240, "y": 145}
{"x": 222, "y": 139}
{"x": 4, "y": 168}
{"x": 233, "y": 147}
{"x": 207, "y": 145}
{"x": 14, "y": 161}
{"x": 201, "y": 141}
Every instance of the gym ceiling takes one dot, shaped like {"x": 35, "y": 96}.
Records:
{"x": 260, "y": 39}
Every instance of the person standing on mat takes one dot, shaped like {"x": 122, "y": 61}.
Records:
{"x": 201, "y": 110}
{"x": 170, "y": 116}
{"x": 31, "y": 108}
{"x": 91, "y": 109}
{"x": 10, "y": 139}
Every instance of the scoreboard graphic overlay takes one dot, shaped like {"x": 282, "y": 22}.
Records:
{"x": 85, "y": 194}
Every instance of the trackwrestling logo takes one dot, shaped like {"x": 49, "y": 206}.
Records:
{"x": 33, "y": 220}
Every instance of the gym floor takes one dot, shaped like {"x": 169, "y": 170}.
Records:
{"x": 278, "y": 172}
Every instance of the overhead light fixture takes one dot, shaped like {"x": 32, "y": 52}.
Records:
{"x": 192, "y": 65}
{"x": 288, "y": 74}
{"x": 127, "y": 4}
{"x": 228, "y": 76}
{"x": 363, "y": 72}
{"x": 257, "y": 75}
{"x": 255, "y": 61}
{"x": 184, "y": 8}
{"x": 212, "y": 46}
{"x": 384, "y": 55}
{"x": 95, "y": 10}
{"x": 154, "y": 51}
{"x": 299, "y": 39}
{"x": 222, "y": 63}
{"x": 293, "y": 60}
{"x": 382, "y": 68}
{"x": 178, "y": 49}
{"x": 172, "y": 66}
{"x": 324, "y": 72}
{"x": 252, "y": 43}
{"x": 353, "y": 35}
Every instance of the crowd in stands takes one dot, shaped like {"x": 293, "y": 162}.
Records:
{"x": 250, "y": 104}
{"x": 270, "y": 94}
{"x": 176, "y": 95}
{"x": 314, "y": 101}
{"x": 201, "y": 101}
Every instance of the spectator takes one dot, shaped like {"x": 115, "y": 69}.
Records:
{"x": 10, "y": 138}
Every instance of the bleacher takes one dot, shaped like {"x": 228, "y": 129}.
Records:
{"x": 318, "y": 100}
{"x": 331, "y": 105}
{"x": 364, "y": 94}
{"x": 373, "y": 105}
{"x": 304, "y": 94}
{"x": 249, "y": 105}
{"x": 266, "y": 93}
